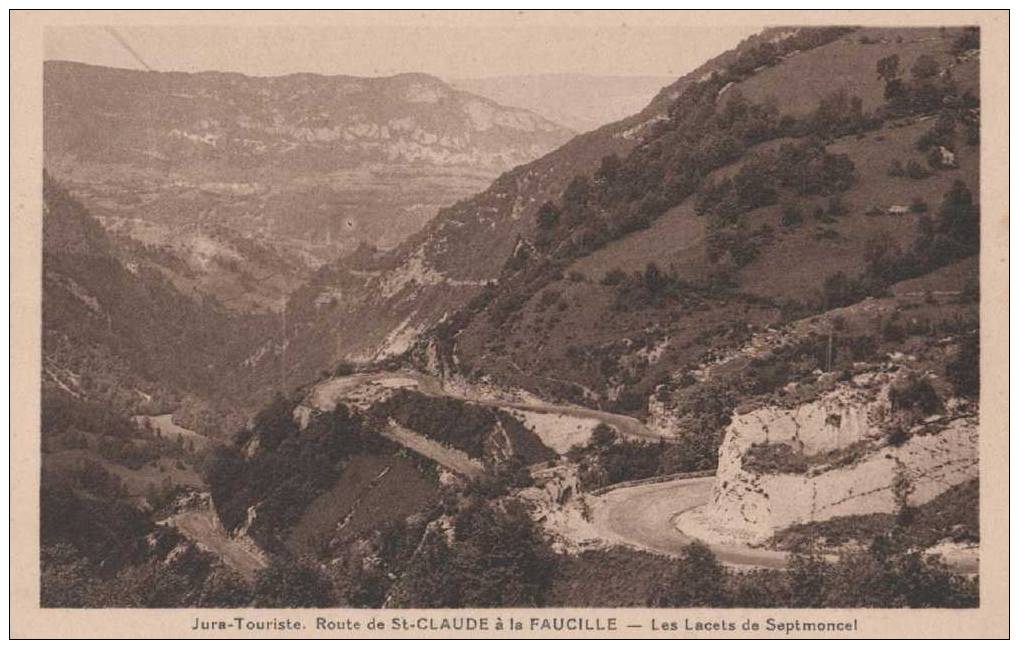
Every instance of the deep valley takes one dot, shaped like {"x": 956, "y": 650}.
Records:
{"x": 326, "y": 341}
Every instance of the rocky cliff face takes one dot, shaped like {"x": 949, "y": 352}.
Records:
{"x": 831, "y": 457}
{"x": 297, "y": 122}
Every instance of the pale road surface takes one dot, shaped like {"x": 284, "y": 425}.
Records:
{"x": 641, "y": 517}
{"x": 327, "y": 393}
{"x": 450, "y": 458}
{"x": 203, "y": 527}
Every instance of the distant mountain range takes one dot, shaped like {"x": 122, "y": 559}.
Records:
{"x": 307, "y": 165}
{"x": 192, "y": 123}
{"x": 580, "y": 102}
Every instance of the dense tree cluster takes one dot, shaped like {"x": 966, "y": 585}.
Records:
{"x": 928, "y": 88}
{"x": 953, "y": 235}
{"x": 497, "y": 558}
{"x": 803, "y": 168}
{"x": 770, "y": 53}
{"x": 289, "y": 468}
{"x": 131, "y": 328}
{"x": 882, "y": 576}
{"x": 463, "y": 426}
{"x": 608, "y": 459}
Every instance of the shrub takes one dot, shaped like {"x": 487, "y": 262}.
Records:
{"x": 809, "y": 168}
{"x": 343, "y": 369}
{"x": 651, "y": 288}
{"x": 925, "y": 67}
{"x": 915, "y": 170}
{"x": 698, "y": 580}
{"x": 841, "y": 290}
{"x": 914, "y": 393}
{"x": 972, "y": 135}
{"x": 892, "y": 331}
{"x": 964, "y": 370}
{"x": 602, "y": 437}
{"x": 285, "y": 584}
{"x": 959, "y": 217}
{"x": 506, "y": 307}
{"x": 736, "y": 243}
{"x": 547, "y": 298}
{"x": 837, "y": 206}
{"x": 968, "y": 40}
{"x": 631, "y": 400}
{"x": 791, "y": 216}
{"x": 769, "y": 375}
{"x": 898, "y": 436}
{"x": 774, "y": 458}
{"x": 613, "y": 277}
{"x": 609, "y": 168}
{"x": 888, "y": 68}
{"x": 826, "y": 233}
{"x": 548, "y": 214}
{"x": 861, "y": 347}
{"x": 970, "y": 290}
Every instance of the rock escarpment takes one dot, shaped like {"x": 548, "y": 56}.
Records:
{"x": 832, "y": 457}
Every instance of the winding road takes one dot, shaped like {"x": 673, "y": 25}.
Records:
{"x": 642, "y": 517}
{"x": 326, "y": 394}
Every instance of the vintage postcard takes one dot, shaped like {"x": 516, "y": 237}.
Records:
{"x": 509, "y": 324}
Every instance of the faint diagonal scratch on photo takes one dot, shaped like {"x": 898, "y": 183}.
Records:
{"x": 123, "y": 42}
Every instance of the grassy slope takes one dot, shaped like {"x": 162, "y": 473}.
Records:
{"x": 137, "y": 481}
{"x": 799, "y": 82}
{"x": 402, "y": 491}
{"x": 771, "y": 275}
{"x": 469, "y": 241}
{"x": 793, "y": 267}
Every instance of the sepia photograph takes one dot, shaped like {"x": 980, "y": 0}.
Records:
{"x": 547, "y": 311}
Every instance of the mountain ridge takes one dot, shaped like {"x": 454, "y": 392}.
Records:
{"x": 582, "y": 102}
{"x": 304, "y": 165}
{"x": 504, "y": 213}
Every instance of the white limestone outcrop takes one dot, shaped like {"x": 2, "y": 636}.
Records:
{"x": 848, "y": 467}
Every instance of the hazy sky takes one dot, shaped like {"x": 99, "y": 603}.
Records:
{"x": 449, "y": 46}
